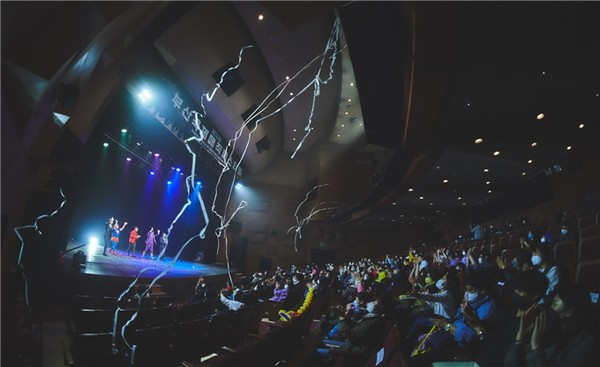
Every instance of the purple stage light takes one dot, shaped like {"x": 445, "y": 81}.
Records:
{"x": 128, "y": 159}
{"x": 156, "y": 154}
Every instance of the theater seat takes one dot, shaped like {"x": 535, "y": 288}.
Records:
{"x": 565, "y": 255}
{"x": 589, "y": 248}
{"x": 588, "y": 275}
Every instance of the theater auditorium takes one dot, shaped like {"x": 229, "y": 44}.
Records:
{"x": 291, "y": 183}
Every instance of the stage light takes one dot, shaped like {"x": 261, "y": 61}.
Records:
{"x": 156, "y": 154}
{"x": 128, "y": 159}
{"x": 93, "y": 241}
{"x": 147, "y": 94}
{"x": 168, "y": 182}
{"x": 105, "y": 145}
{"x": 238, "y": 186}
{"x": 177, "y": 169}
{"x": 152, "y": 173}
{"x": 198, "y": 183}
{"x": 123, "y": 131}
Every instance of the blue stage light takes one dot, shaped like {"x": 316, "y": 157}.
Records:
{"x": 177, "y": 169}
{"x": 168, "y": 182}
{"x": 152, "y": 173}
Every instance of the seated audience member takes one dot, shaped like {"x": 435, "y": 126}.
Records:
{"x": 234, "y": 303}
{"x": 498, "y": 332}
{"x": 541, "y": 258}
{"x": 566, "y": 234}
{"x": 520, "y": 263}
{"x": 443, "y": 302}
{"x": 281, "y": 290}
{"x": 529, "y": 241}
{"x": 548, "y": 239}
{"x": 362, "y": 334}
{"x": 570, "y": 344}
{"x": 476, "y": 306}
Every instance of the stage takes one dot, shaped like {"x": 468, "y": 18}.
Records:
{"x": 109, "y": 275}
{"x": 121, "y": 265}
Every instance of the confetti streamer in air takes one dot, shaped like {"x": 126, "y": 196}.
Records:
{"x": 314, "y": 211}
{"x": 190, "y": 189}
{"x": 227, "y": 162}
{"x": 20, "y": 257}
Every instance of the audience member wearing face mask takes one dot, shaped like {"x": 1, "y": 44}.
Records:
{"x": 496, "y": 334}
{"x": 541, "y": 259}
{"x": 568, "y": 343}
{"x": 477, "y": 305}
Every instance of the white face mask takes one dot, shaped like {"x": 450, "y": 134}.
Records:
{"x": 536, "y": 260}
{"x": 471, "y": 297}
{"x": 440, "y": 284}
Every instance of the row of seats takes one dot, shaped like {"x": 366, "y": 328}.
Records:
{"x": 102, "y": 320}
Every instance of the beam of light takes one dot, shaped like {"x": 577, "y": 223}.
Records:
{"x": 202, "y": 234}
{"x": 19, "y": 258}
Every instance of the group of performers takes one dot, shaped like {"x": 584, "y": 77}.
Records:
{"x": 112, "y": 231}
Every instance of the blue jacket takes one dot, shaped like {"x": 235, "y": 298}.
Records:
{"x": 464, "y": 334}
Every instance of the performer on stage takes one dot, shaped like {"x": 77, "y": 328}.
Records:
{"x": 162, "y": 243}
{"x": 115, "y": 236}
{"x": 107, "y": 233}
{"x": 150, "y": 242}
{"x": 133, "y": 237}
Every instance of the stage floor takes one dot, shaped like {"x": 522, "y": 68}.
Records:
{"x": 121, "y": 265}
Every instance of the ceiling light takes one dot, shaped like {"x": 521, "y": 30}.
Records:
{"x": 581, "y": 126}
{"x": 430, "y": 203}
{"x": 489, "y": 191}
{"x": 569, "y": 147}
{"x": 486, "y": 170}
{"x": 352, "y": 84}
{"x": 294, "y": 139}
{"x": 445, "y": 181}
{"x": 421, "y": 198}
{"x": 342, "y": 125}
{"x": 294, "y": 130}
{"x": 438, "y": 167}
{"x": 345, "y": 113}
{"x": 260, "y": 17}
{"x": 123, "y": 131}
{"x": 478, "y": 140}
{"x": 460, "y": 197}
{"x": 523, "y": 174}
{"x": 287, "y": 78}
{"x": 338, "y": 135}
{"x": 543, "y": 73}
{"x": 394, "y": 203}
{"x": 464, "y": 203}
{"x": 349, "y": 99}
{"x": 497, "y": 152}
{"x": 534, "y": 144}
{"x": 530, "y": 161}
{"x": 105, "y": 145}
{"x": 487, "y": 182}
{"x": 411, "y": 189}
{"x": 291, "y": 93}
{"x": 540, "y": 116}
